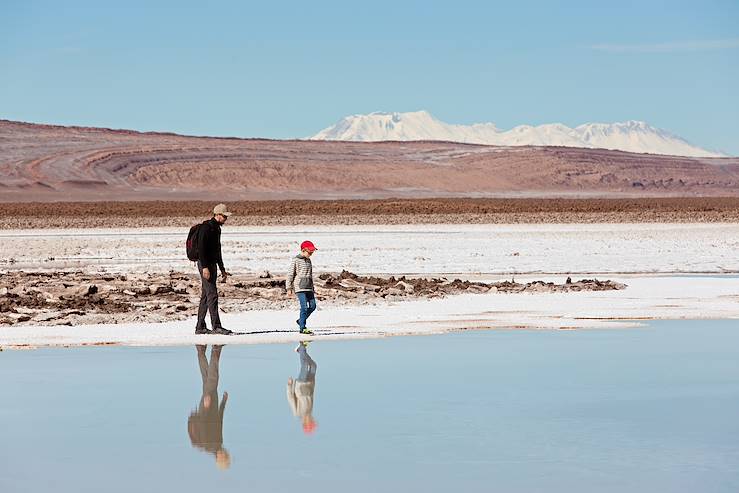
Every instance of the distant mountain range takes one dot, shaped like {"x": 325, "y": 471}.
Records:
{"x": 55, "y": 163}
{"x": 631, "y": 136}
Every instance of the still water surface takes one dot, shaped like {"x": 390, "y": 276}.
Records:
{"x": 649, "y": 409}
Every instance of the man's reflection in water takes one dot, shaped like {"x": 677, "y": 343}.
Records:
{"x": 300, "y": 391}
{"x": 205, "y": 425}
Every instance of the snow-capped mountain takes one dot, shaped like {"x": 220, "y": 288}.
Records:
{"x": 632, "y": 136}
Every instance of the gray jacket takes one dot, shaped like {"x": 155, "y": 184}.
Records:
{"x": 300, "y": 275}
{"x": 300, "y": 397}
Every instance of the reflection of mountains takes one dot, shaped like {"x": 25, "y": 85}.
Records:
{"x": 301, "y": 390}
{"x": 205, "y": 424}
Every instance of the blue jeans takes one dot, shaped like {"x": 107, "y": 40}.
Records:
{"x": 307, "y": 306}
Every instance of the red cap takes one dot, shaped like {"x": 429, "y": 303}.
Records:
{"x": 308, "y": 245}
{"x": 309, "y": 427}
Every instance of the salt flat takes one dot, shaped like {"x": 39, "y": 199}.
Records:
{"x": 638, "y": 255}
{"x": 396, "y": 249}
{"x": 645, "y": 298}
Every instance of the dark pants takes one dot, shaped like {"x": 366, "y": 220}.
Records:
{"x": 208, "y": 298}
{"x": 209, "y": 371}
{"x": 307, "y": 306}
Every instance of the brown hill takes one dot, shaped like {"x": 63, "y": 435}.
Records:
{"x": 52, "y": 163}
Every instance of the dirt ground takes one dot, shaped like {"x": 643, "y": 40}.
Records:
{"x": 389, "y": 211}
{"x": 74, "y": 298}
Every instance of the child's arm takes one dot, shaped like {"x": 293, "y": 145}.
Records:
{"x": 290, "y": 276}
{"x": 291, "y": 399}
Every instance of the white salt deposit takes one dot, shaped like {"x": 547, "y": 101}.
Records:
{"x": 645, "y": 298}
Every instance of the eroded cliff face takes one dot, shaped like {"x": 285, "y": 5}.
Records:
{"x": 49, "y": 163}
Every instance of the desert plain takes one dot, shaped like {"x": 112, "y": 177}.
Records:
{"x": 414, "y": 237}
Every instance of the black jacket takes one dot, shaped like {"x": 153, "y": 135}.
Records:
{"x": 209, "y": 244}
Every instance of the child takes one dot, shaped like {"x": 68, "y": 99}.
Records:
{"x": 300, "y": 281}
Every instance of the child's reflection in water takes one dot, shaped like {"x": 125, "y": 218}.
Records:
{"x": 300, "y": 391}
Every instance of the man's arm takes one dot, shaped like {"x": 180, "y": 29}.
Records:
{"x": 222, "y": 407}
{"x": 204, "y": 249}
{"x": 203, "y": 243}
{"x": 220, "y": 258}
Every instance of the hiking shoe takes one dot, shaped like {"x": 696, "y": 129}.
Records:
{"x": 222, "y": 331}
{"x": 202, "y": 330}
{"x": 306, "y": 331}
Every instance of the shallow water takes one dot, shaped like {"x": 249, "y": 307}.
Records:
{"x": 649, "y": 409}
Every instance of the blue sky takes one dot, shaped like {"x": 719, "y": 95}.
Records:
{"x": 288, "y": 69}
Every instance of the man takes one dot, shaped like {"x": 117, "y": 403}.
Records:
{"x": 205, "y": 425}
{"x": 209, "y": 257}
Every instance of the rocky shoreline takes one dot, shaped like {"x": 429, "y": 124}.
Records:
{"x": 79, "y": 298}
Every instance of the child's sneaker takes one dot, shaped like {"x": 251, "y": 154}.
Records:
{"x": 306, "y": 331}
{"x": 302, "y": 344}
